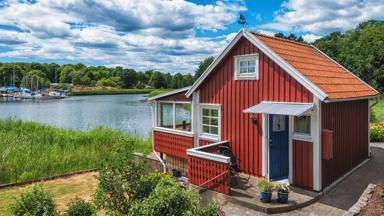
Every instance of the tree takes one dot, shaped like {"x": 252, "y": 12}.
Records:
{"x": 291, "y": 36}
{"x": 360, "y": 50}
{"x": 203, "y": 66}
{"x": 66, "y": 73}
{"x": 187, "y": 80}
{"x": 176, "y": 81}
{"x": 158, "y": 80}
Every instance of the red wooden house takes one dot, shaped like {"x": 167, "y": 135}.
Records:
{"x": 286, "y": 110}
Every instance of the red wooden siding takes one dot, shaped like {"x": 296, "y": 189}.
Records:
{"x": 172, "y": 144}
{"x": 327, "y": 147}
{"x": 274, "y": 84}
{"x": 302, "y": 166}
{"x": 205, "y": 142}
{"x": 349, "y": 123}
{"x": 201, "y": 171}
{"x": 176, "y": 97}
{"x": 177, "y": 163}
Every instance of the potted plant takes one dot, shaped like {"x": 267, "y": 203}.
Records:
{"x": 282, "y": 193}
{"x": 266, "y": 188}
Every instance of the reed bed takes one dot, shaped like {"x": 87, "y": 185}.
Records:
{"x": 29, "y": 150}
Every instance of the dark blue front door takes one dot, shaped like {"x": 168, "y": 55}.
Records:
{"x": 278, "y": 147}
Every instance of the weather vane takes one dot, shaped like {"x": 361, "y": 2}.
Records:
{"x": 242, "y": 20}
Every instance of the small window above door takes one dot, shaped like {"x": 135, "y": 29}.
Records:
{"x": 246, "y": 67}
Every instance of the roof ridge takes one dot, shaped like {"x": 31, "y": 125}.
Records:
{"x": 281, "y": 39}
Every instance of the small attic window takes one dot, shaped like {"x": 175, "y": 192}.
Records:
{"x": 246, "y": 67}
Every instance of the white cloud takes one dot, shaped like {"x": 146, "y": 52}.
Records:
{"x": 144, "y": 35}
{"x": 310, "y": 38}
{"x": 321, "y": 17}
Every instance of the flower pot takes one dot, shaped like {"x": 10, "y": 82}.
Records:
{"x": 265, "y": 197}
{"x": 282, "y": 197}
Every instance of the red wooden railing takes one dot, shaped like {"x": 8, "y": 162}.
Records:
{"x": 208, "y": 169}
{"x": 172, "y": 144}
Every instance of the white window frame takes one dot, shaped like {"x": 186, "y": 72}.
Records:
{"x": 246, "y": 76}
{"x": 303, "y": 136}
{"x": 174, "y": 130}
{"x": 208, "y": 136}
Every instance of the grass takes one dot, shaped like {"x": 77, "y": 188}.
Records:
{"x": 63, "y": 190}
{"x": 30, "y": 150}
{"x": 158, "y": 91}
{"x": 110, "y": 92}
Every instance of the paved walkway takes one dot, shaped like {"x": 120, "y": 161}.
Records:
{"x": 341, "y": 197}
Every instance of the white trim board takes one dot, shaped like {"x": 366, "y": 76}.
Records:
{"x": 286, "y": 66}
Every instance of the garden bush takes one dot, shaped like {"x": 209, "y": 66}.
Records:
{"x": 118, "y": 178}
{"x": 377, "y": 133}
{"x": 36, "y": 202}
{"x": 79, "y": 207}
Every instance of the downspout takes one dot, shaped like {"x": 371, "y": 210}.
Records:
{"x": 376, "y": 102}
{"x": 153, "y": 143}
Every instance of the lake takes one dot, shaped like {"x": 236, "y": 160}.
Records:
{"x": 130, "y": 113}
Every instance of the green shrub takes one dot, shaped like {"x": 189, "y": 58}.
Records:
{"x": 168, "y": 198}
{"x": 372, "y": 116}
{"x": 146, "y": 184}
{"x": 118, "y": 178}
{"x": 212, "y": 209}
{"x": 377, "y": 133}
{"x": 36, "y": 202}
{"x": 78, "y": 207}
{"x": 282, "y": 188}
{"x": 265, "y": 186}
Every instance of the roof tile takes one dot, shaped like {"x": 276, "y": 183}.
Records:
{"x": 331, "y": 78}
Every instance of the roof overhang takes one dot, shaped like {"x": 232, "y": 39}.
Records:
{"x": 281, "y": 108}
{"x": 271, "y": 54}
{"x": 176, "y": 91}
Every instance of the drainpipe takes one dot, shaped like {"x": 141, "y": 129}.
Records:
{"x": 376, "y": 102}
{"x": 153, "y": 146}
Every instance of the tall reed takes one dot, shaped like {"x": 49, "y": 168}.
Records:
{"x": 29, "y": 150}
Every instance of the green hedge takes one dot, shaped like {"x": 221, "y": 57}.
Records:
{"x": 377, "y": 133}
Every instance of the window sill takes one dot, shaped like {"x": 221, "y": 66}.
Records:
{"x": 302, "y": 137}
{"x": 172, "y": 131}
{"x": 209, "y": 137}
{"x": 246, "y": 77}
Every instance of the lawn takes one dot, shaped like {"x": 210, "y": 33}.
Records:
{"x": 63, "y": 190}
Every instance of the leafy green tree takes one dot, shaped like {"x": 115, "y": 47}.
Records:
{"x": 66, "y": 73}
{"x": 360, "y": 50}
{"x": 203, "y": 66}
{"x": 187, "y": 80}
{"x": 176, "y": 81}
{"x": 291, "y": 36}
{"x": 158, "y": 80}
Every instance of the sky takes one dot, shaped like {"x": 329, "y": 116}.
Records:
{"x": 169, "y": 36}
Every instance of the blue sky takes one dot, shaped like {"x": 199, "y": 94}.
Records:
{"x": 170, "y": 36}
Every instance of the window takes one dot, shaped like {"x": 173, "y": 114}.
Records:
{"x": 303, "y": 125}
{"x": 210, "y": 121}
{"x": 247, "y": 67}
{"x": 176, "y": 116}
{"x": 278, "y": 123}
{"x": 183, "y": 117}
{"x": 165, "y": 115}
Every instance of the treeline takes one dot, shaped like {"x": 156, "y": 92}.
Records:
{"x": 40, "y": 75}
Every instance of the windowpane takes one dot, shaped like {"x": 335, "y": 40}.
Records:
{"x": 214, "y": 122}
{"x": 251, "y": 63}
{"x": 205, "y": 112}
{"x": 251, "y": 70}
{"x": 214, "y": 130}
{"x": 205, "y": 129}
{"x": 243, "y": 70}
{"x": 165, "y": 115}
{"x": 303, "y": 125}
{"x": 214, "y": 113}
{"x": 206, "y": 120}
{"x": 243, "y": 63}
{"x": 183, "y": 117}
